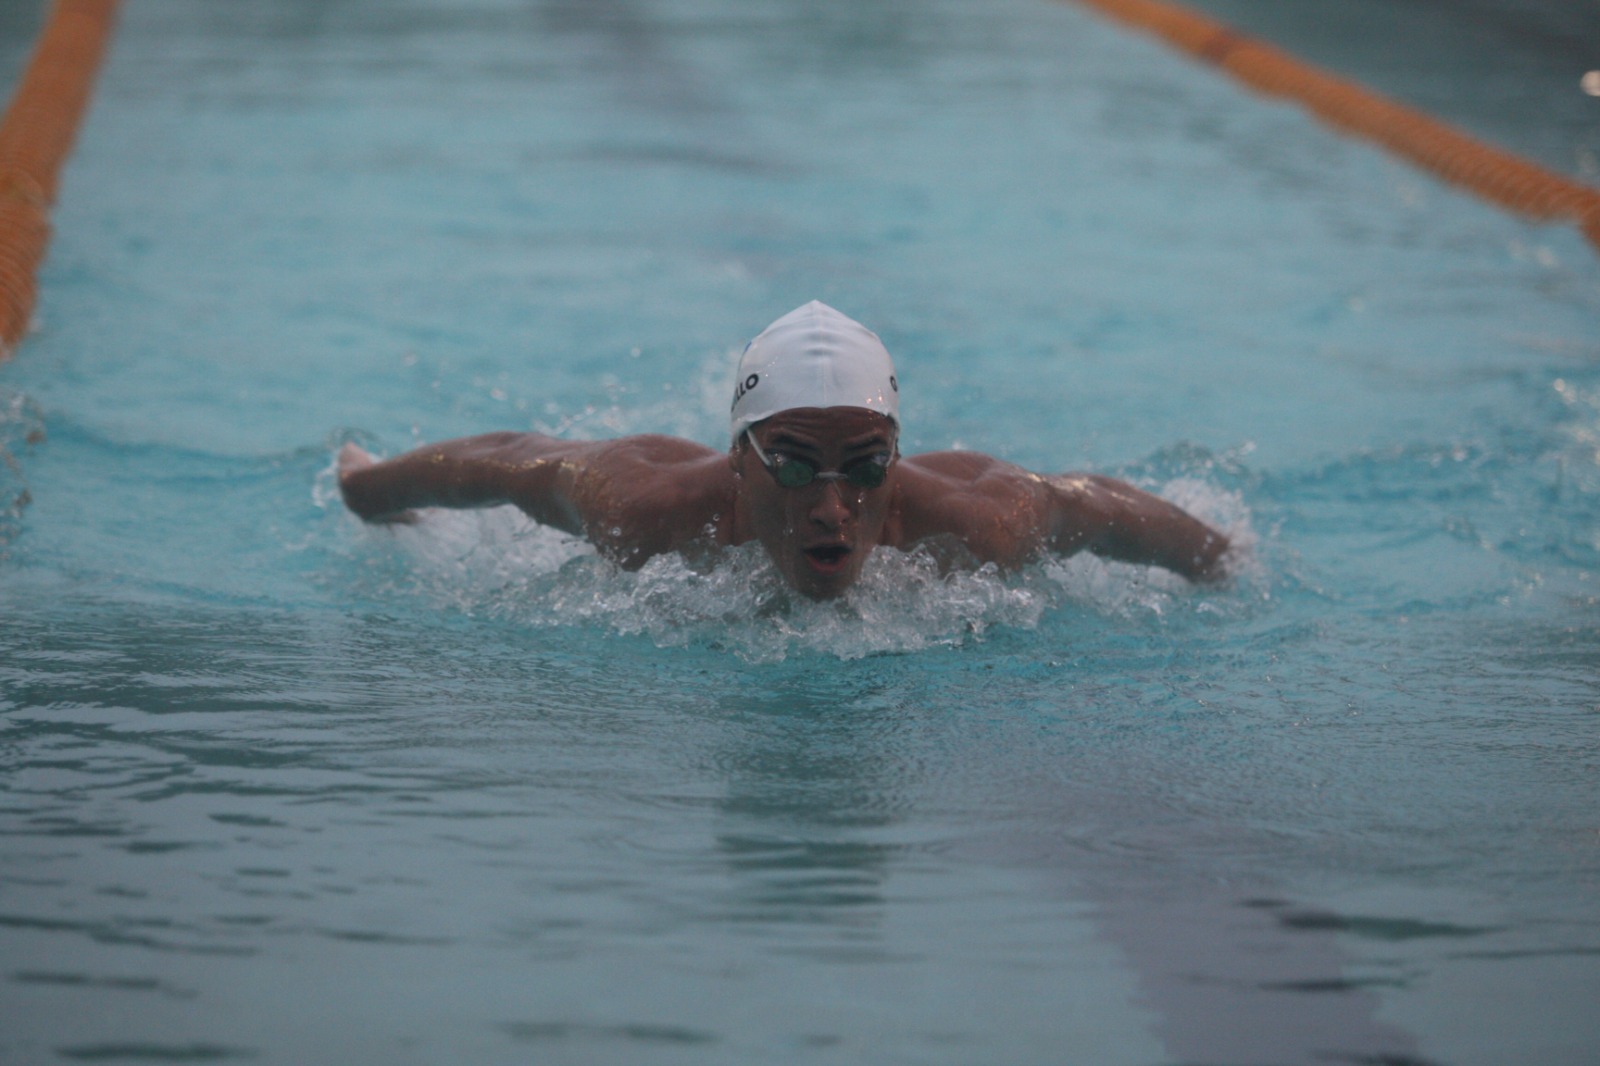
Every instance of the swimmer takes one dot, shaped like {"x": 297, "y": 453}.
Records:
{"x": 814, "y": 474}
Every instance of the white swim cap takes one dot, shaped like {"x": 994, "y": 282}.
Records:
{"x": 813, "y": 357}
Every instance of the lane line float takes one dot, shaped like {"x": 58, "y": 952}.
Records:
{"x": 36, "y": 136}
{"x": 1493, "y": 174}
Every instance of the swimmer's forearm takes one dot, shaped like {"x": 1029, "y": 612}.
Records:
{"x": 485, "y": 471}
{"x": 1176, "y": 542}
{"x": 1161, "y": 534}
{"x": 1136, "y": 527}
{"x": 394, "y": 486}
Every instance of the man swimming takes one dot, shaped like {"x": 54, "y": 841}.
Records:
{"x": 814, "y": 474}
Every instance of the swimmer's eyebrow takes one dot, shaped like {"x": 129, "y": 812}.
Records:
{"x": 876, "y": 441}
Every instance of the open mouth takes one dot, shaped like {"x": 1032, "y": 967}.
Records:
{"x": 828, "y": 559}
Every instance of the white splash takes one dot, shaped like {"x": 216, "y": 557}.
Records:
{"x": 499, "y": 563}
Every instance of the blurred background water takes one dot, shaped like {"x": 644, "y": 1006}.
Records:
{"x": 278, "y": 787}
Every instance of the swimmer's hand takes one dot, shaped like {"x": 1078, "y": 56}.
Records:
{"x": 353, "y": 457}
{"x": 352, "y": 460}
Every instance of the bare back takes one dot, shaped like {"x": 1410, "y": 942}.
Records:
{"x": 636, "y": 497}
{"x": 996, "y": 511}
{"x": 1002, "y": 513}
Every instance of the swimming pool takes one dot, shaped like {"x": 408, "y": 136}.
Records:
{"x": 283, "y": 788}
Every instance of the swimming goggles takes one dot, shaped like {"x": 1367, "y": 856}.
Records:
{"x": 867, "y": 472}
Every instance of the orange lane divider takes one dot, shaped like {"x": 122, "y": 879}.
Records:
{"x": 36, "y": 134}
{"x": 1497, "y": 176}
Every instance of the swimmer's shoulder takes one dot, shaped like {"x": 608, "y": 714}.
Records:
{"x": 651, "y": 493}
{"x": 939, "y": 473}
{"x": 994, "y": 507}
{"x": 656, "y": 449}
{"x": 957, "y": 465}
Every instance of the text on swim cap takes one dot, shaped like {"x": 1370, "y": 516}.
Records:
{"x": 745, "y": 386}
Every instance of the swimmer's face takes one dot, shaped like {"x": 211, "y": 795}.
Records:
{"x": 818, "y": 535}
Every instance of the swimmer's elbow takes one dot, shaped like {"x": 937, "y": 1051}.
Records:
{"x": 369, "y": 505}
{"x": 1208, "y": 564}
{"x": 355, "y": 486}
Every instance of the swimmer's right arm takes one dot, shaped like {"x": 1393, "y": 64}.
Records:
{"x": 530, "y": 470}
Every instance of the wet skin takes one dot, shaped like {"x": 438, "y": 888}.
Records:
{"x": 636, "y": 497}
{"x": 818, "y": 535}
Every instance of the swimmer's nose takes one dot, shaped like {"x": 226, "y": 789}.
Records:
{"x": 830, "y": 510}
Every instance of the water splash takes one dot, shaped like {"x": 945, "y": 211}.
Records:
{"x": 21, "y": 427}
{"x": 497, "y": 563}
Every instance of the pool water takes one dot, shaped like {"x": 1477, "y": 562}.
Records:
{"x": 278, "y": 787}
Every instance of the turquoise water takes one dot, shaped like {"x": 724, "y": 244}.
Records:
{"x": 1508, "y": 71}
{"x": 281, "y": 788}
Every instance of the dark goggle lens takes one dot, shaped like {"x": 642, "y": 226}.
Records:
{"x": 794, "y": 473}
{"x": 863, "y": 473}
{"x": 867, "y": 473}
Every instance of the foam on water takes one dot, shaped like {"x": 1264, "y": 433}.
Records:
{"x": 21, "y": 426}
{"x": 256, "y": 747}
{"x": 500, "y": 564}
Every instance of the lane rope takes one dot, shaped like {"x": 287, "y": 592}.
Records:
{"x": 42, "y": 120}
{"x": 1493, "y": 174}
{"x": 36, "y": 136}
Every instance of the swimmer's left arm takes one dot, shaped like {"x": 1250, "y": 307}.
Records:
{"x": 1004, "y": 514}
{"x": 1117, "y": 521}
{"x": 362, "y": 493}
